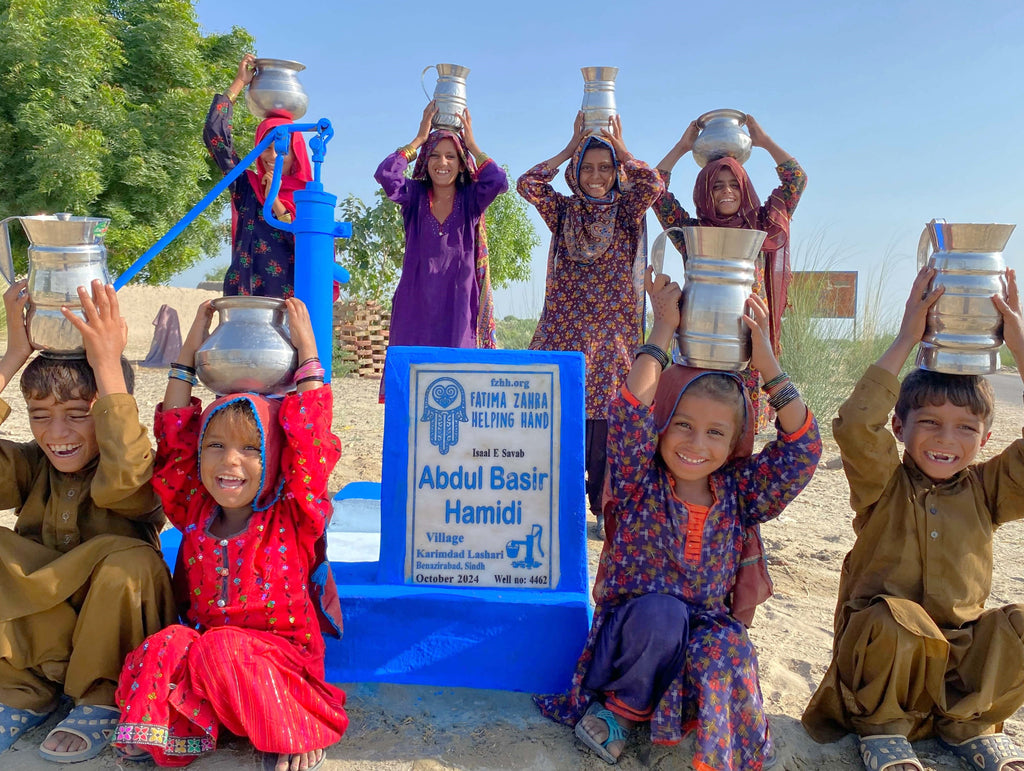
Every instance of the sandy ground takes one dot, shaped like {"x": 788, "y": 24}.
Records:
{"x": 403, "y": 728}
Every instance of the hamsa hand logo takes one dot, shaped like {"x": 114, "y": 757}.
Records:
{"x": 444, "y": 407}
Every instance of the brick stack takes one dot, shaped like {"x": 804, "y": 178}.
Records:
{"x": 361, "y": 330}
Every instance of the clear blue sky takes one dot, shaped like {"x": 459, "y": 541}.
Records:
{"x": 898, "y": 111}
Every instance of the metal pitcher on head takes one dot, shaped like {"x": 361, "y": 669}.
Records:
{"x": 449, "y": 95}
{"x": 64, "y": 253}
{"x": 275, "y": 86}
{"x": 721, "y": 134}
{"x": 964, "y": 330}
{"x": 719, "y": 275}
{"x": 598, "y": 98}
{"x": 250, "y": 350}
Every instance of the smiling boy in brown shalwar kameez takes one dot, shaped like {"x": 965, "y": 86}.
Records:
{"x": 82, "y": 580}
{"x": 916, "y": 654}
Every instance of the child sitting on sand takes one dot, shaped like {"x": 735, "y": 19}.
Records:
{"x": 664, "y": 647}
{"x": 81, "y": 575}
{"x": 916, "y": 653}
{"x": 246, "y": 482}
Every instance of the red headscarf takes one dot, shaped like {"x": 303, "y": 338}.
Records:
{"x": 771, "y": 218}
{"x": 302, "y": 170}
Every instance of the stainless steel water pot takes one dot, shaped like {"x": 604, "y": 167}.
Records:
{"x": 721, "y": 134}
{"x": 449, "y": 95}
{"x": 718, "y": 278}
{"x": 276, "y": 86}
{"x": 964, "y": 330}
{"x": 250, "y": 349}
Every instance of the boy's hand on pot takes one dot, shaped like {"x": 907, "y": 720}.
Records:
{"x": 1009, "y": 309}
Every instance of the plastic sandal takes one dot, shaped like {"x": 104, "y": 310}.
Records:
{"x": 990, "y": 752}
{"x": 616, "y": 733}
{"x": 14, "y": 722}
{"x": 887, "y": 750}
{"x": 93, "y": 723}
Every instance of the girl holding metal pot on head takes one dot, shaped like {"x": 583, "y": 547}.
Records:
{"x": 724, "y": 197}
{"x": 444, "y": 296}
{"x": 262, "y": 257}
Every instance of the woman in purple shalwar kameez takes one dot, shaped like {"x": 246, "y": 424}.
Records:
{"x": 664, "y": 647}
{"x": 444, "y": 294}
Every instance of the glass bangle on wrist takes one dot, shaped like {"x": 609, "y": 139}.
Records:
{"x": 655, "y": 353}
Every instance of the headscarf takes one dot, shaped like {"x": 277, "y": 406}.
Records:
{"x": 265, "y": 411}
{"x": 673, "y": 384}
{"x": 485, "y": 336}
{"x": 774, "y": 221}
{"x": 753, "y": 584}
{"x": 588, "y": 227}
{"x": 302, "y": 170}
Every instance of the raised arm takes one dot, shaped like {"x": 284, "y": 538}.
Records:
{"x": 217, "y": 131}
{"x": 18, "y": 347}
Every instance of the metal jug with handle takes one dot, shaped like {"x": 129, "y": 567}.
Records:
{"x": 449, "y": 95}
{"x": 719, "y": 274}
{"x": 964, "y": 330}
{"x": 64, "y": 253}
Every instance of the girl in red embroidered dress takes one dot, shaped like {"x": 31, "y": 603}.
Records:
{"x": 245, "y": 482}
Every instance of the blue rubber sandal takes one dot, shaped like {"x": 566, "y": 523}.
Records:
{"x": 616, "y": 733}
{"x": 15, "y": 722}
{"x": 92, "y": 722}
{"x": 887, "y": 750}
{"x": 990, "y": 752}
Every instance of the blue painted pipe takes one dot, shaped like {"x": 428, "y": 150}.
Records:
{"x": 314, "y": 229}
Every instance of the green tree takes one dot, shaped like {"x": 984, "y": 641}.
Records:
{"x": 373, "y": 256}
{"x": 102, "y": 104}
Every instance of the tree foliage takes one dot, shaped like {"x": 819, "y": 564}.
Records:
{"x": 102, "y": 104}
{"x": 373, "y": 256}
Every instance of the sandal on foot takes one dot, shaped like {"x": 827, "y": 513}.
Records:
{"x": 14, "y": 722}
{"x": 270, "y": 761}
{"x": 887, "y": 750}
{"x": 616, "y": 733}
{"x": 92, "y": 722}
{"x": 990, "y": 752}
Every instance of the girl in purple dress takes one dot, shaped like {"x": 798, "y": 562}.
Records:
{"x": 664, "y": 647}
{"x": 444, "y": 294}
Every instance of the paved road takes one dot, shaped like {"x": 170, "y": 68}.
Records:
{"x": 1008, "y": 387}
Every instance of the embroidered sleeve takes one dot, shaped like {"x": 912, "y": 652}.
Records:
{"x": 310, "y": 453}
{"x": 217, "y": 134}
{"x": 632, "y": 444}
{"x": 535, "y": 187}
{"x": 390, "y": 175}
{"x": 671, "y": 214}
{"x": 776, "y": 475}
{"x": 491, "y": 181}
{"x": 645, "y": 187}
{"x": 176, "y": 474}
{"x": 792, "y": 182}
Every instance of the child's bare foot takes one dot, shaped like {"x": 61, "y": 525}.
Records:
{"x": 299, "y": 761}
{"x": 132, "y": 751}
